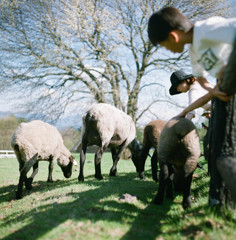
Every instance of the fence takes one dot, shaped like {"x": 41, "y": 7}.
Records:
{"x": 7, "y": 154}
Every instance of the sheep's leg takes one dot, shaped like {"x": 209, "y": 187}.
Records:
{"x": 97, "y": 162}
{"x": 23, "y": 177}
{"x": 113, "y": 153}
{"x": 154, "y": 161}
{"x": 82, "y": 160}
{"x": 169, "y": 188}
{"x": 28, "y": 182}
{"x": 50, "y": 169}
{"x": 113, "y": 171}
{"x": 163, "y": 181}
{"x": 187, "y": 191}
{"x": 143, "y": 157}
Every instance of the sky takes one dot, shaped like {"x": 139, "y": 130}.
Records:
{"x": 162, "y": 110}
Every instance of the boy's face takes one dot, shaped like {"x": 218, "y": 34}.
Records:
{"x": 173, "y": 43}
{"x": 183, "y": 87}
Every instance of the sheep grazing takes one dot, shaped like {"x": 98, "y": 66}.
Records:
{"x": 151, "y": 136}
{"x": 38, "y": 141}
{"x": 106, "y": 126}
{"x": 178, "y": 153}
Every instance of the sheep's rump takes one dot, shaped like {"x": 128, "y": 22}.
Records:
{"x": 179, "y": 144}
{"x": 152, "y": 132}
{"x": 104, "y": 124}
{"x": 37, "y": 137}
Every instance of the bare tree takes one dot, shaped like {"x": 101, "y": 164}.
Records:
{"x": 60, "y": 52}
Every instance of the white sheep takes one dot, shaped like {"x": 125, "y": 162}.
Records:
{"x": 178, "y": 153}
{"x": 36, "y": 141}
{"x": 106, "y": 126}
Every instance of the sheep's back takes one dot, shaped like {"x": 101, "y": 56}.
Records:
{"x": 152, "y": 132}
{"x": 37, "y": 137}
{"x": 111, "y": 124}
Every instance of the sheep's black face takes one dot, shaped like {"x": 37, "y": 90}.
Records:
{"x": 135, "y": 148}
{"x": 67, "y": 170}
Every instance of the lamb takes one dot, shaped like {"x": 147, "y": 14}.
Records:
{"x": 151, "y": 136}
{"x": 106, "y": 126}
{"x": 36, "y": 141}
{"x": 178, "y": 153}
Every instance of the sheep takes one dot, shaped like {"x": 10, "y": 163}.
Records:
{"x": 151, "y": 136}
{"x": 106, "y": 126}
{"x": 39, "y": 141}
{"x": 178, "y": 153}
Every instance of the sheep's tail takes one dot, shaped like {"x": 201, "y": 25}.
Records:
{"x": 16, "y": 147}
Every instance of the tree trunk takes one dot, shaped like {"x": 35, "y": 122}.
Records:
{"x": 222, "y": 146}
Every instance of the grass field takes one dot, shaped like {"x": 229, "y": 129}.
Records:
{"x": 68, "y": 209}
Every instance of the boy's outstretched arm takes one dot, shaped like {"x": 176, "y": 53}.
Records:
{"x": 215, "y": 92}
{"x": 198, "y": 103}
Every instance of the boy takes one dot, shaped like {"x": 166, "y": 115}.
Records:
{"x": 210, "y": 43}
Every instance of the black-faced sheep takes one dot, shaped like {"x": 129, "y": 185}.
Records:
{"x": 106, "y": 126}
{"x": 151, "y": 136}
{"x": 178, "y": 153}
{"x": 36, "y": 141}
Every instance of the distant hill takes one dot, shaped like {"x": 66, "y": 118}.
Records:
{"x": 74, "y": 121}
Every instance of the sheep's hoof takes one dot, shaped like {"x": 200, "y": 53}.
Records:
{"x": 157, "y": 200}
{"x": 81, "y": 178}
{"x": 50, "y": 180}
{"x": 19, "y": 195}
{"x": 98, "y": 177}
{"x": 156, "y": 179}
{"x": 186, "y": 203}
{"x": 28, "y": 183}
{"x": 141, "y": 175}
{"x": 113, "y": 173}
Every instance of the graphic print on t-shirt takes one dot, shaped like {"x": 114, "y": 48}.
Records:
{"x": 208, "y": 59}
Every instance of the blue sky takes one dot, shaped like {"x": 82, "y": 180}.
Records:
{"x": 162, "y": 111}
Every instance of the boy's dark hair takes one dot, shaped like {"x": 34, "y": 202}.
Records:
{"x": 161, "y": 23}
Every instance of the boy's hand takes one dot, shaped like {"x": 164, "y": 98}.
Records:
{"x": 220, "y": 75}
{"x": 215, "y": 92}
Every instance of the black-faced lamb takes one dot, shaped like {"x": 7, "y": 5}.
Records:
{"x": 151, "y": 136}
{"x": 36, "y": 141}
{"x": 106, "y": 126}
{"x": 178, "y": 153}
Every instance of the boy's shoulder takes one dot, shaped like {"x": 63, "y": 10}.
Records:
{"x": 215, "y": 20}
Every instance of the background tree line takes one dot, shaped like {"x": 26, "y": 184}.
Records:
{"x": 8, "y": 125}
{"x": 70, "y": 135}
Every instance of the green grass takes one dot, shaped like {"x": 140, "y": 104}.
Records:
{"x": 68, "y": 209}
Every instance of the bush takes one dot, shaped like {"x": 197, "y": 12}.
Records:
{"x": 8, "y": 125}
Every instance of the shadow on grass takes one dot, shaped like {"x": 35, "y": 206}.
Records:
{"x": 8, "y": 193}
{"x": 92, "y": 205}
{"x": 96, "y": 205}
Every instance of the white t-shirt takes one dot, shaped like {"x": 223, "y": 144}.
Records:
{"x": 211, "y": 46}
{"x": 195, "y": 92}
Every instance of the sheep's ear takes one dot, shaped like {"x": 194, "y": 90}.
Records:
{"x": 75, "y": 163}
{"x": 72, "y": 159}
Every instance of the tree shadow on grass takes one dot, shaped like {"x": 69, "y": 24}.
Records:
{"x": 93, "y": 205}
{"x": 8, "y": 193}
